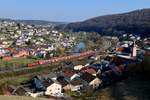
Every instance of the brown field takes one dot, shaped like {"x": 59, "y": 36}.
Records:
{"x": 20, "y": 98}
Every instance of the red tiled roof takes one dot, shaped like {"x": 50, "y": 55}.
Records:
{"x": 89, "y": 70}
{"x": 68, "y": 72}
{"x": 21, "y": 53}
{"x": 7, "y": 58}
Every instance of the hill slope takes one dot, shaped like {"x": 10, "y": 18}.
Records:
{"x": 136, "y": 22}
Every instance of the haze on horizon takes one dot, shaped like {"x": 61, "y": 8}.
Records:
{"x": 66, "y": 10}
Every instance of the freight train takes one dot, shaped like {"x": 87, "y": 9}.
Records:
{"x": 44, "y": 62}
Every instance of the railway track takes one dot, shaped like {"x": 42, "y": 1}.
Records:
{"x": 46, "y": 62}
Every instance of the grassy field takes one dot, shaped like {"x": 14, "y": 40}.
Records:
{"x": 16, "y": 62}
{"x": 24, "y": 75}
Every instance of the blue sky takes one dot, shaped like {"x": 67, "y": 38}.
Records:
{"x": 66, "y": 10}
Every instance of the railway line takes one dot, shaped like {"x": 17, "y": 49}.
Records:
{"x": 39, "y": 63}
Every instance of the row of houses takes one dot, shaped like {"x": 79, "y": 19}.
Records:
{"x": 43, "y": 38}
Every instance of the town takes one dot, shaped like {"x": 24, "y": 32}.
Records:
{"x": 63, "y": 65}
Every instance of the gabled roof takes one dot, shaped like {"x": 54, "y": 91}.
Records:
{"x": 48, "y": 82}
{"x": 41, "y": 83}
{"x": 68, "y": 72}
{"x": 19, "y": 91}
{"x": 87, "y": 77}
{"x": 124, "y": 49}
{"x": 62, "y": 80}
{"x": 89, "y": 70}
{"x": 76, "y": 82}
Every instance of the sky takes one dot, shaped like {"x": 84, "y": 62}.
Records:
{"x": 66, "y": 10}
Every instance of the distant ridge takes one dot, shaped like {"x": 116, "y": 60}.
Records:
{"x": 135, "y": 22}
{"x": 33, "y": 22}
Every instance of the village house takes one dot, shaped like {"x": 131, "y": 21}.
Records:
{"x": 34, "y": 95}
{"x": 74, "y": 85}
{"x": 129, "y": 52}
{"x": 62, "y": 80}
{"x": 21, "y": 53}
{"x": 68, "y": 72}
{"x": 39, "y": 83}
{"x": 90, "y": 80}
{"x": 21, "y": 91}
{"x": 78, "y": 67}
{"x": 3, "y": 52}
{"x": 55, "y": 89}
{"x": 89, "y": 70}
{"x": 146, "y": 41}
{"x": 76, "y": 75}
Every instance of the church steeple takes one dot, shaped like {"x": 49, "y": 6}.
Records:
{"x": 134, "y": 53}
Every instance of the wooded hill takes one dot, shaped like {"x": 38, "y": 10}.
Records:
{"x": 135, "y": 22}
